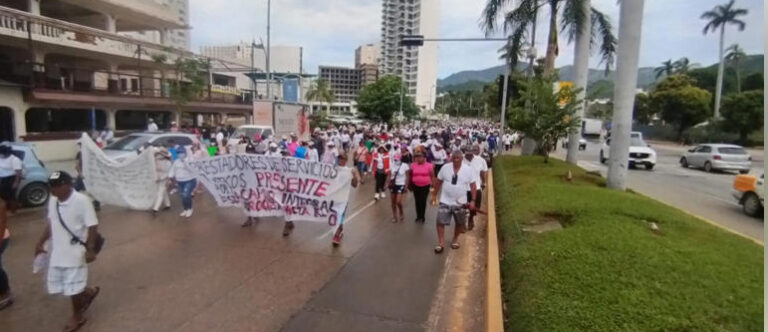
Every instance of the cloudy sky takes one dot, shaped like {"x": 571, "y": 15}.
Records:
{"x": 330, "y": 30}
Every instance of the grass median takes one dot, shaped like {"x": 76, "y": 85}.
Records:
{"x": 607, "y": 269}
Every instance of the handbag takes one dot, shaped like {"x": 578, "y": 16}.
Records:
{"x": 98, "y": 241}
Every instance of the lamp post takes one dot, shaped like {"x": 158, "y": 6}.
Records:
{"x": 269, "y": 71}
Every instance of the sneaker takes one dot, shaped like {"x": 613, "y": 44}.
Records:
{"x": 376, "y": 196}
{"x": 189, "y": 213}
{"x": 183, "y": 213}
{"x": 383, "y": 195}
{"x": 337, "y": 239}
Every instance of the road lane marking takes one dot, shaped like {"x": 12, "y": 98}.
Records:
{"x": 346, "y": 220}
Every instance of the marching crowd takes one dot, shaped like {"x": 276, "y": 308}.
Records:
{"x": 442, "y": 164}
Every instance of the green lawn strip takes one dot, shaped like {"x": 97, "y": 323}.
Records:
{"x": 607, "y": 270}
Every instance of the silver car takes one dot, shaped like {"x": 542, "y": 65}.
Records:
{"x": 722, "y": 157}
{"x": 130, "y": 144}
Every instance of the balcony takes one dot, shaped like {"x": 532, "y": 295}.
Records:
{"x": 145, "y": 12}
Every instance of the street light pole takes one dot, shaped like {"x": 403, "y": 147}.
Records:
{"x": 630, "y": 28}
{"x": 269, "y": 71}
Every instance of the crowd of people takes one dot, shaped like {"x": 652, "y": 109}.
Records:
{"x": 443, "y": 164}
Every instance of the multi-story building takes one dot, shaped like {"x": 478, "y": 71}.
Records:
{"x": 417, "y": 66}
{"x": 344, "y": 82}
{"x": 178, "y": 38}
{"x": 367, "y": 55}
{"x": 369, "y": 73}
{"x": 66, "y": 66}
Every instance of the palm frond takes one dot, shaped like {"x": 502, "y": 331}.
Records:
{"x": 490, "y": 15}
{"x": 741, "y": 24}
{"x": 573, "y": 18}
{"x": 608, "y": 40}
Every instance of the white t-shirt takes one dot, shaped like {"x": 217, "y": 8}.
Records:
{"x": 400, "y": 173}
{"x": 478, "y": 165}
{"x": 9, "y": 166}
{"x": 180, "y": 172}
{"x": 152, "y": 127}
{"x": 219, "y": 138}
{"x": 78, "y": 214}
{"x": 312, "y": 155}
{"x": 345, "y": 138}
{"x": 451, "y": 194}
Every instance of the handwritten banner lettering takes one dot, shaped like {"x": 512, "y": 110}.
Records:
{"x": 130, "y": 183}
{"x": 276, "y": 186}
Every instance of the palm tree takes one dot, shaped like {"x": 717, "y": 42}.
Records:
{"x": 735, "y": 56}
{"x": 667, "y": 68}
{"x": 321, "y": 91}
{"x": 718, "y": 18}
{"x": 521, "y": 18}
{"x": 683, "y": 65}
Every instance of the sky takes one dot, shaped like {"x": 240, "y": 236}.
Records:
{"x": 330, "y": 30}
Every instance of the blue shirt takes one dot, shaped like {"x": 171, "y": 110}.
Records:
{"x": 301, "y": 152}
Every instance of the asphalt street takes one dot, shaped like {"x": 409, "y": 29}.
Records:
{"x": 707, "y": 195}
{"x": 207, "y": 273}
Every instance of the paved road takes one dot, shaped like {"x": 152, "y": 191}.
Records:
{"x": 208, "y": 274}
{"x": 707, "y": 195}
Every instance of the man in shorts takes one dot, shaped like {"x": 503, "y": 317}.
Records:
{"x": 453, "y": 183}
{"x": 72, "y": 229}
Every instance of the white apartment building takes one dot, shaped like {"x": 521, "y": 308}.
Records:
{"x": 367, "y": 54}
{"x": 179, "y": 38}
{"x": 416, "y": 65}
{"x": 70, "y": 66}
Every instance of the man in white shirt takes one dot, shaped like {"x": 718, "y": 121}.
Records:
{"x": 454, "y": 181}
{"x": 152, "y": 126}
{"x": 10, "y": 176}
{"x": 480, "y": 170}
{"x": 72, "y": 230}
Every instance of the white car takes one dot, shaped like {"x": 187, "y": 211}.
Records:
{"x": 640, "y": 153}
{"x": 129, "y": 145}
{"x": 748, "y": 191}
{"x": 720, "y": 157}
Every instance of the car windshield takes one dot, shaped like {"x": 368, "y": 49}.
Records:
{"x": 129, "y": 143}
{"x": 247, "y": 132}
{"x": 637, "y": 141}
{"x": 732, "y": 150}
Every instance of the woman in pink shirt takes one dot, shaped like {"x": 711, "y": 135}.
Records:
{"x": 422, "y": 177}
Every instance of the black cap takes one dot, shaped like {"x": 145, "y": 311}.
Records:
{"x": 59, "y": 178}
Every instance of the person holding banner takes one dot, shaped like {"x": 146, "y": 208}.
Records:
{"x": 162, "y": 166}
{"x": 354, "y": 182}
{"x": 185, "y": 179}
{"x": 312, "y": 154}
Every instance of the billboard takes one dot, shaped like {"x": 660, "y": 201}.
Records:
{"x": 262, "y": 113}
{"x": 291, "y": 90}
{"x": 292, "y": 118}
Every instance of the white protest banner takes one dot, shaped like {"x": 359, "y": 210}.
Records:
{"x": 129, "y": 184}
{"x": 264, "y": 186}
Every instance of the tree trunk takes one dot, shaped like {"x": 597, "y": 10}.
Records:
{"x": 581, "y": 64}
{"x": 630, "y": 31}
{"x": 720, "y": 69}
{"x": 549, "y": 60}
{"x": 743, "y": 137}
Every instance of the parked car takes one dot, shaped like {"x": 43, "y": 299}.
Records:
{"x": 249, "y": 131}
{"x": 640, "y": 152}
{"x": 33, "y": 188}
{"x": 130, "y": 144}
{"x": 582, "y": 143}
{"x": 723, "y": 157}
{"x": 748, "y": 191}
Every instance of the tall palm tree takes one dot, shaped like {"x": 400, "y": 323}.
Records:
{"x": 683, "y": 65}
{"x": 718, "y": 18}
{"x": 667, "y": 68}
{"x": 735, "y": 56}
{"x": 521, "y": 18}
{"x": 321, "y": 91}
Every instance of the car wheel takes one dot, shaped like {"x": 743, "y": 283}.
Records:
{"x": 649, "y": 167}
{"x": 752, "y": 206}
{"x": 34, "y": 194}
{"x": 708, "y": 167}
{"x": 602, "y": 158}
{"x": 583, "y": 147}
{"x": 684, "y": 162}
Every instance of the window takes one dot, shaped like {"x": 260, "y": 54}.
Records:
{"x": 134, "y": 84}
{"x": 732, "y": 150}
{"x": 40, "y": 119}
{"x": 137, "y": 120}
{"x": 705, "y": 149}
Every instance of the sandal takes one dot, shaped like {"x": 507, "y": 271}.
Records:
{"x": 77, "y": 326}
{"x": 438, "y": 249}
{"x": 454, "y": 246}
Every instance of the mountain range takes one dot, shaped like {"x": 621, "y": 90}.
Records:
{"x": 473, "y": 79}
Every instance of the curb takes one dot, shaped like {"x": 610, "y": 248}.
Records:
{"x": 494, "y": 315}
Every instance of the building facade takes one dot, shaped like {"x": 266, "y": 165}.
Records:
{"x": 369, "y": 73}
{"x": 70, "y": 66}
{"x": 367, "y": 55}
{"x": 417, "y": 66}
{"x": 344, "y": 82}
{"x": 177, "y": 38}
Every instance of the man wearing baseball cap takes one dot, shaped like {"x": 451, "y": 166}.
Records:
{"x": 72, "y": 231}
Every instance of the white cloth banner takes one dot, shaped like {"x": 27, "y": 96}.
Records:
{"x": 129, "y": 184}
{"x": 264, "y": 186}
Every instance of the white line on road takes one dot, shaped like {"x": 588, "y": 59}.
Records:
{"x": 346, "y": 220}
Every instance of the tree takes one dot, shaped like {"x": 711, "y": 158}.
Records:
{"x": 735, "y": 56}
{"x": 667, "y": 69}
{"x": 743, "y": 113}
{"x": 523, "y": 17}
{"x": 680, "y": 102}
{"x": 718, "y": 18}
{"x": 551, "y": 116}
{"x": 381, "y": 100}
{"x": 683, "y": 65}
{"x": 320, "y": 91}
{"x": 753, "y": 82}
{"x": 190, "y": 80}
{"x": 643, "y": 111}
